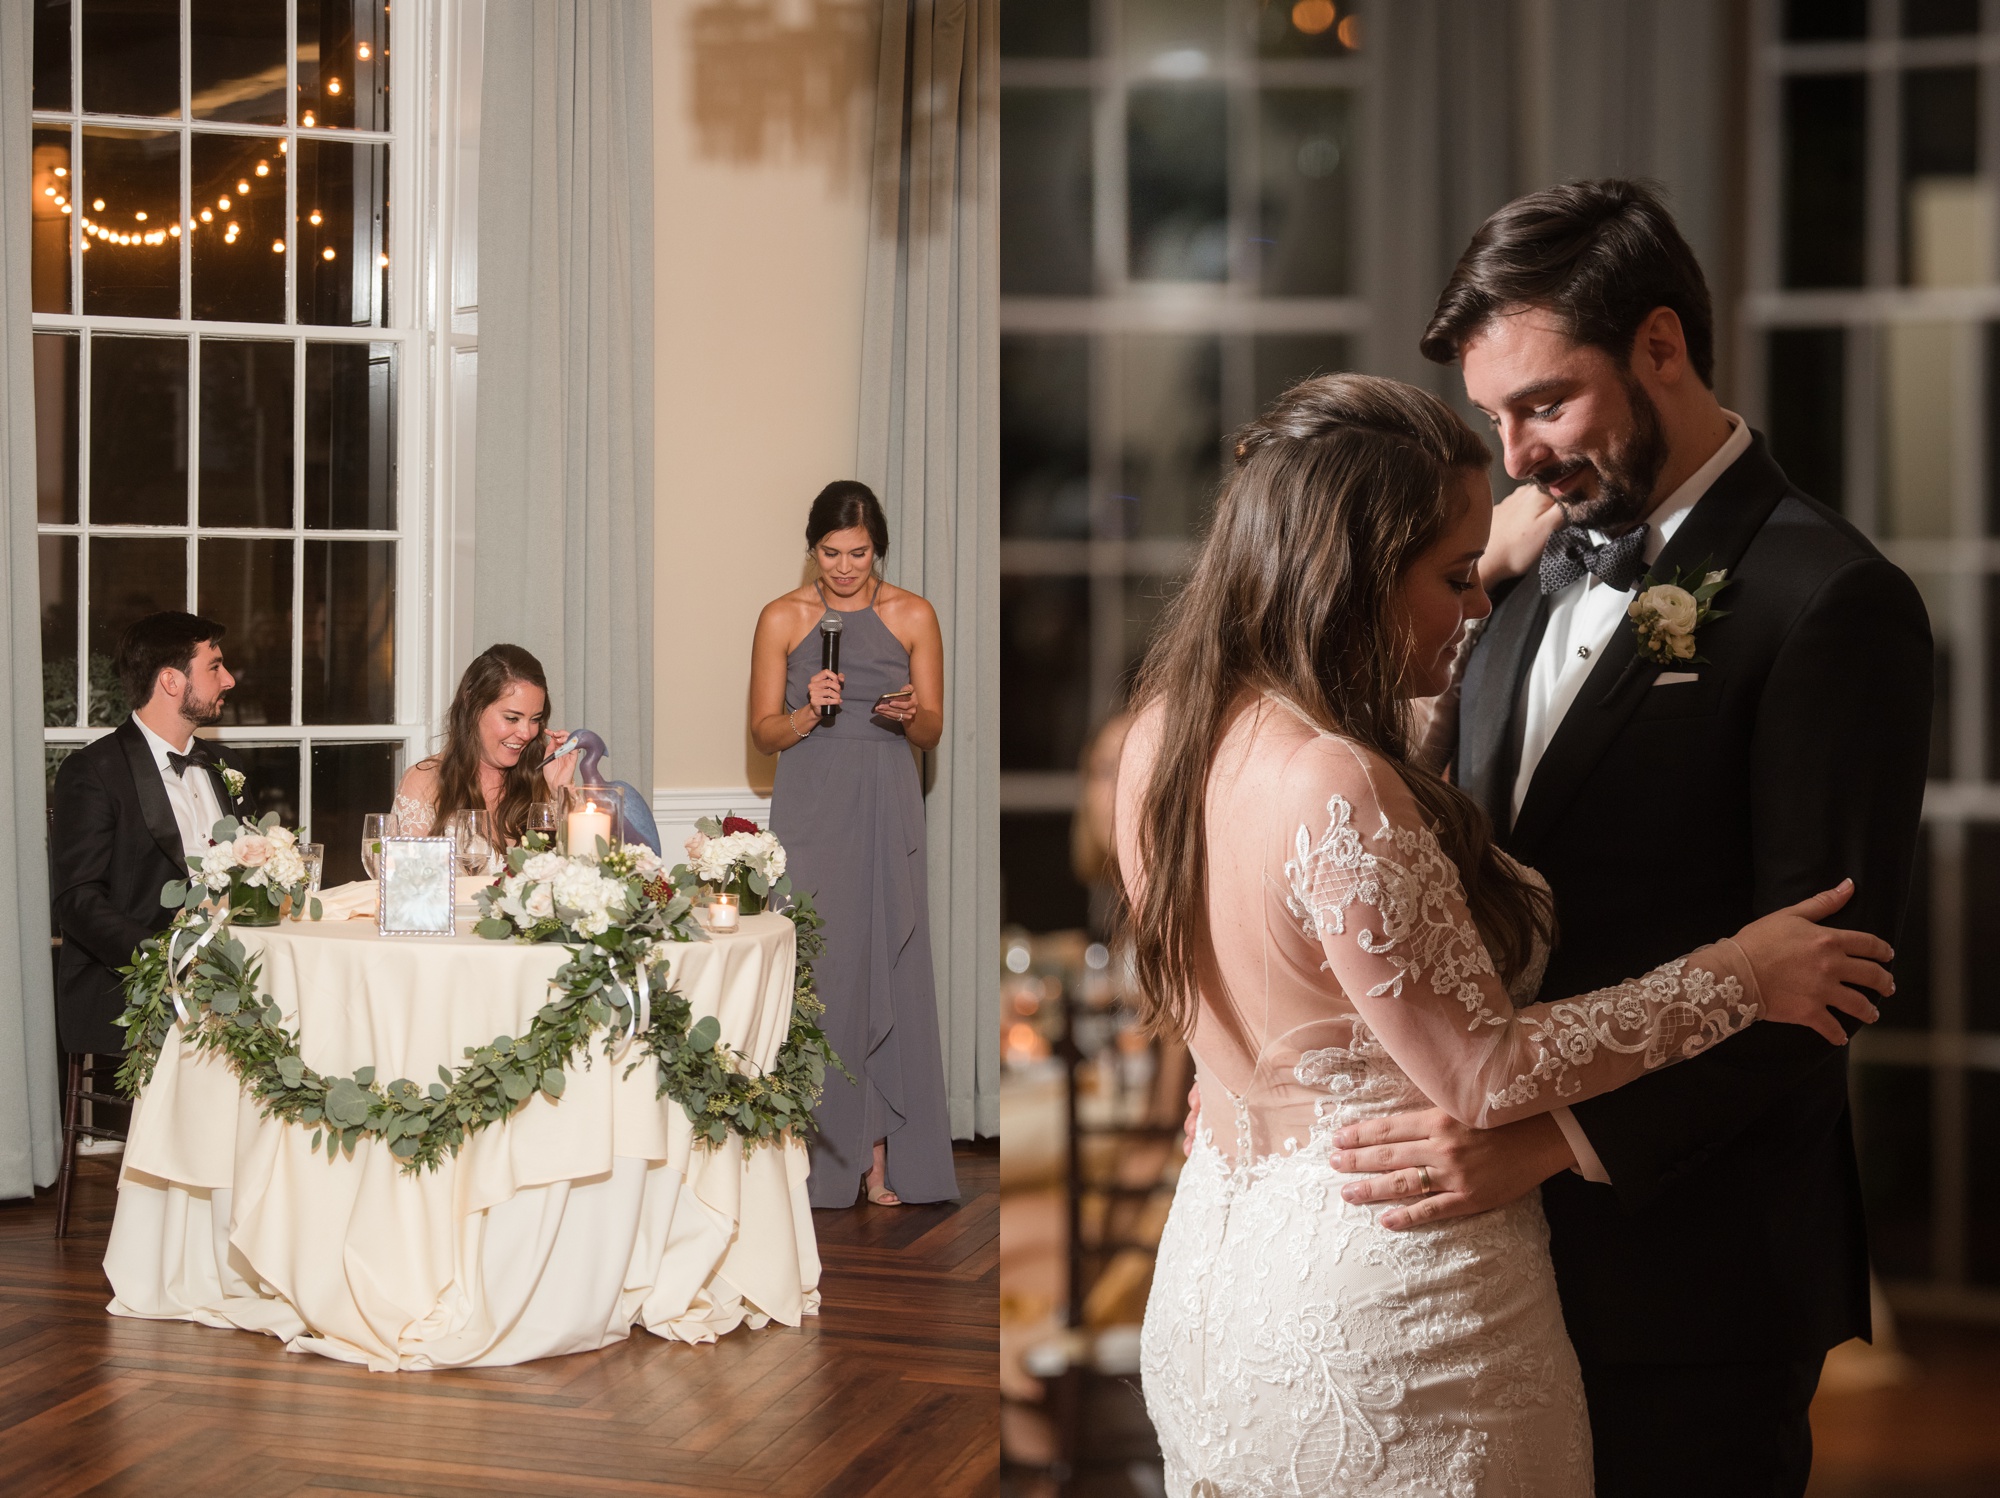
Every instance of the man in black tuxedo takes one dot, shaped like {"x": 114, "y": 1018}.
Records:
{"x": 130, "y": 808}
{"x": 1706, "y": 1220}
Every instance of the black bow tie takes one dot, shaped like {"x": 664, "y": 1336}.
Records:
{"x": 1619, "y": 562}
{"x": 178, "y": 763}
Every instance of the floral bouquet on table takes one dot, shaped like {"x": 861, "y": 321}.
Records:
{"x": 549, "y": 896}
{"x": 252, "y": 868}
{"x": 733, "y": 855}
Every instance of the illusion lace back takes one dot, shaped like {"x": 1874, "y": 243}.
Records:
{"x": 1292, "y": 1345}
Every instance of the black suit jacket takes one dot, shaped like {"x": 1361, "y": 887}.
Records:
{"x": 113, "y": 846}
{"x": 1665, "y": 817}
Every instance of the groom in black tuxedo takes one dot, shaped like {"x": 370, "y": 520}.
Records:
{"x": 130, "y": 809}
{"x": 1706, "y": 1220}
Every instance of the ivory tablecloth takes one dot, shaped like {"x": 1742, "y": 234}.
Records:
{"x": 554, "y": 1232}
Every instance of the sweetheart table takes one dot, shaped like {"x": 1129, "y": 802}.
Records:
{"x": 556, "y": 1231}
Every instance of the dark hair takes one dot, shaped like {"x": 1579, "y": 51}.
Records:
{"x": 156, "y": 643}
{"x": 1337, "y": 490}
{"x": 841, "y": 506}
{"x": 1600, "y": 255}
{"x": 499, "y": 667}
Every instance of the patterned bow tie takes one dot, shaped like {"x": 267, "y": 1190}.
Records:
{"x": 178, "y": 763}
{"x": 1619, "y": 562}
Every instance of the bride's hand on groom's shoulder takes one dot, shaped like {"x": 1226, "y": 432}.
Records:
{"x": 1522, "y": 525}
{"x": 1804, "y": 969}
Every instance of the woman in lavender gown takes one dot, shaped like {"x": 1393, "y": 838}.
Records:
{"x": 849, "y": 808}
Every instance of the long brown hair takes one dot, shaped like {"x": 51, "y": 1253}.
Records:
{"x": 458, "y": 762}
{"x": 1336, "y": 491}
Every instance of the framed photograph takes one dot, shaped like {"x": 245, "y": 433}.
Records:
{"x": 417, "y": 886}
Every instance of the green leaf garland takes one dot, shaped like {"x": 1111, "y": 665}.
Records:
{"x": 217, "y": 990}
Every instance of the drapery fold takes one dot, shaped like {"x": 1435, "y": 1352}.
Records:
{"x": 929, "y": 444}
{"x": 563, "y": 537}
{"x": 30, "y": 1132}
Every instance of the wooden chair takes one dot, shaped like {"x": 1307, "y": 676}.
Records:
{"x": 79, "y": 1087}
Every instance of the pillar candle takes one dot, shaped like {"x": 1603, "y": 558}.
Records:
{"x": 585, "y": 828}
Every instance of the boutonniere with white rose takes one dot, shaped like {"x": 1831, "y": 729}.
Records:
{"x": 1666, "y": 616}
{"x": 232, "y": 780}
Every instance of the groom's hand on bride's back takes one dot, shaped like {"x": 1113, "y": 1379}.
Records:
{"x": 1805, "y": 970}
{"x": 1433, "y": 1167}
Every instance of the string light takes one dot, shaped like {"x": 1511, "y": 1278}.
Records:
{"x": 141, "y": 217}
{"x": 263, "y": 170}
{"x": 65, "y": 208}
{"x": 362, "y": 51}
{"x": 207, "y": 217}
{"x": 382, "y": 260}
{"x": 223, "y": 204}
{"x": 48, "y": 192}
{"x": 277, "y": 247}
{"x": 308, "y": 121}
{"x": 98, "y": 205}
{"x": 175, "y": 230}
{"x": 243, "y": 188}
{"x": 333, "y": 85}
{"x": 62, "y": 171}
{"x": 284, "y": 146}
{"x": 315, "y": 217}
{"x": 327, "y": 253}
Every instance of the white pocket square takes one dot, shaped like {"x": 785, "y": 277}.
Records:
{"x": 1670, "y": 678}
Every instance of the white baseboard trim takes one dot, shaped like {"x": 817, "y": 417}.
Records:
{"x": 677, "y": 808}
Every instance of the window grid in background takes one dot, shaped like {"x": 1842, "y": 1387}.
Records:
{"x": 1870, "y": 341}
{"x": 1178, "y": 185}
{"x": 217, "y": 408}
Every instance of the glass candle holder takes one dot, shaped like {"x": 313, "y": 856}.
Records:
{"x": 723, "y": 912}
{"x": 587, "y": 814}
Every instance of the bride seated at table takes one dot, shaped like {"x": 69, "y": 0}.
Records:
{"x": 498, "y": 754}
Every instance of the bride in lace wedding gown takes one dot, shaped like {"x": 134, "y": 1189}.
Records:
{"x": 1292, "y": 1345}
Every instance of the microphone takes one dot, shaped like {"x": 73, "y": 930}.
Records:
{"x": 829, "y": 654}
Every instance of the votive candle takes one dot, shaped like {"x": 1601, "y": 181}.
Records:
{"x": 723, "y": 912}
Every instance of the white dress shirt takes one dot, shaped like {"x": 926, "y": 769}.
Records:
{"x": 1582, "y": 620}
{"x": 192, "y": 796}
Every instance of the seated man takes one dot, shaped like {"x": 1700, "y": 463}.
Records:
{"x": 130, "y": 809}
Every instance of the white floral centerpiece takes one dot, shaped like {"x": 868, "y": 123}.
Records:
{"x": 733, "y": 855}
{"x": 253, "y": 868}
{"x": 549, "y": 896}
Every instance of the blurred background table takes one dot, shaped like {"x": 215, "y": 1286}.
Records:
{"x": 556, "y": 1231}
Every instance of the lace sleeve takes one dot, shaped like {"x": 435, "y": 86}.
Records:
{"x": 1373, "y": 887}
{"x": 414, "y": 816}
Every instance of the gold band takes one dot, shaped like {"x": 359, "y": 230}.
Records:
{"x": 1424, "y": 1179}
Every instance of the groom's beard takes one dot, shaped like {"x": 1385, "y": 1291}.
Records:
{"x": 1625, "y": 475}
{"x": 200, "y": 713}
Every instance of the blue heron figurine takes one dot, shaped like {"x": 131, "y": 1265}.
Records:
{"x": 638, "y": 814}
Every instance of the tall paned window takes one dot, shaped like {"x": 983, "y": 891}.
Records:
{"x": 1872, "y": 336}
{"x": 219, "y": 352}
{"x": 1178, "y": 188}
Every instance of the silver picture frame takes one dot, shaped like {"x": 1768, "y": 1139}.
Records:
{"x": 417, "y": 887}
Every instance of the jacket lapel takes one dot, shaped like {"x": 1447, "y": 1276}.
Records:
{"x": 1487, "y": 699}
{"x": 153, "y": 804}
{"x": 213, "y": 762}
{"x": 1716, "y": 534}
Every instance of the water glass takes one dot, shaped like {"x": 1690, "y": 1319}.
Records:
{"x": 478, "y": 851}
{"x": 314, "y": 855}
{"x": 375, "y": 826}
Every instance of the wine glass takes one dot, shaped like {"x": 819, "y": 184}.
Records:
{"x": 542, "y": 819}
{"x": 473, "y": 832}
{"x": 375, "y": 826}
{"x": 314, "y": 855}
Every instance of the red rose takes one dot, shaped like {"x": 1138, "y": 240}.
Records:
{"x": 737, "y": 824}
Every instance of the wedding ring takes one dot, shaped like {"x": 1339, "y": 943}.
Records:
{"x": 1424, "y": 1178}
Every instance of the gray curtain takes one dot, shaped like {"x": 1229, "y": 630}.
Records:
{"x": 930, "y": 446}
{"x": 29, "y": 1121}
{"x": 1476, "y": 102}
{"x": 563, "y": 486}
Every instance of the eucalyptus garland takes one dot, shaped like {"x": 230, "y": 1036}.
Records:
{"x": 199, "y": 974}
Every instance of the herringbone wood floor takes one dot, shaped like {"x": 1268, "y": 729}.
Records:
{"x": 892, "y": 1389}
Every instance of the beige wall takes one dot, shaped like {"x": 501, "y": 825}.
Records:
{"x": 760, "y": 232}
